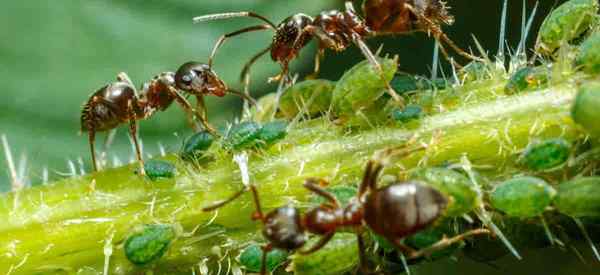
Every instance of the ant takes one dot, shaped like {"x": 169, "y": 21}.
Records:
{"x": 337, "y": 30}
{"x": 119, "y": 102}
{"x": 395, "y": 211}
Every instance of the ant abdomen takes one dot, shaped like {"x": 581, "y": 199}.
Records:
{"x": 402, "y": 209}
{"x": 109, "y": 106}
{"x": 283, "y": 228}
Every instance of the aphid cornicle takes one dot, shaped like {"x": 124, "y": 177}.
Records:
{"x": 395, "y": 211}
{"x": 337, "y": 30}
{"x": 119, "y": 103}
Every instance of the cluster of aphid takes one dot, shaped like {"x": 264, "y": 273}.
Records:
{"x": 119, "y": 102}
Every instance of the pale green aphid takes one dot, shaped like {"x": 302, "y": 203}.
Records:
{"x": 455, "y": 185}
{"x": 149, "y": 243}
{"x": 326, "y": 261}
{"x": 586, "y": 108}
{"x": 157, "y": 169}
{"x": 546, "y": 154}
{"x": 251, "y": 258}
{"x": 313, "y": 97}
{"x": 523, "y": 197}
{"x": 589, "y": 54}
{"x": 265, "y": 108}
{"x": 565, "y": 23}
{"x": 579, "y": 197}
{"x": 361, "y": 86}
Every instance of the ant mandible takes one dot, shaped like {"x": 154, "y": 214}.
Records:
{"x": 396, "y": 211}
{"x": 336, "y": 30}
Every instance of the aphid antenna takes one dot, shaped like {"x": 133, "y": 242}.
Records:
{"x": 229, "y": 15}
{"x": 587, "y": 237}
{"x": 500, "y": 55}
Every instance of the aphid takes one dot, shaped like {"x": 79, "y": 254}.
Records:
{"x": 251, "y": 258}
{"x": 585, "y": 111}
{"x": 196, "y": 145}
{"x": 452, "y": 184}
{"x": 312, "y": 97}
{"x": 337, "y": 30}
{"x": 523, "y": 197}
{"x": 395, "y": 211}
{"x": 242, "y": 135}
{"x": 579, "y": 197}
{"x": 271, "y": 132}
{"x": 565, "y": 23}
{"x": 546, "y": 154}
{"x": 527, "y": 78}
{"x": 411, "y": 112}
{"x": 149, "y": 243}
{"x": 157, "y": 169}
{"x": 589, "y": 54}
{"x": 119, "y": 103}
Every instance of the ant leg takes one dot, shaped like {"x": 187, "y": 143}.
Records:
{"x": 246, "y": 70}
{"x": 201, "y": 111}
{"x": 445, "y": 242}
{"x": 263, "y": 264}
{"x": 320, "y": 54}
{"x": 312, "y": 185}
{"x": 371, "y": 57}
{"x": 232, "y": 34}
{"x": 320, "y": 244}
{"x": 187, "y": 107}
{"x": 258, "y": 214}
{"x": 369, "y": 181}
{"x": 404, "y": 249}
{"x": 91, "y": 139}
{"x": 123, "y": 77}
{"x": 225, "y": 202}
{"x": 138, "y": 152}
{"x": 362, "y": 258}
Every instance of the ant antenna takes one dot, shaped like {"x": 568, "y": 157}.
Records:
{"x": 228, "y": 15}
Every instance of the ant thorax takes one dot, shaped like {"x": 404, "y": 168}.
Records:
{"x": 290, "y": 37}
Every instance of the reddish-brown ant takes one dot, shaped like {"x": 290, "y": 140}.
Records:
{"x": 395, "y": 211}
{"x": 336, "y": 30}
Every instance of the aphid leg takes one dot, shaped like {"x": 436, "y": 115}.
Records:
{"x": 187, "y": 107}
{"x": 232, "y": 34}
{"x": 92, "y": 139}
{"x": 201, "y": 111}
{"x": 228, "y": 15}
{"x": 371, "y": 57}
{"x": 320, "y": 244}
{"x": 263, "y": 265}
{"x": 312, "y": 185}
{"x": 446, "y": 242}
{"x": 318, "y": 56}
{"x": 138, "y": 152}
{"x": 439, "y": 35}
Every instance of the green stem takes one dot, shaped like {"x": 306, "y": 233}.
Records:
{"x": 64, "y": 226}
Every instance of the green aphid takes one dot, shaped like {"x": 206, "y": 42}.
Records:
{"x": 157, "y": 169}
{"x": 567, "y": 22}
{"x": 475, "y": 70}
{"x": 410, "y": 112}
{"x": 196, "y": 145}
{"x": 546, "y": 154}
{"x": 251, "y": 258}
{"x": 271, "y": 132}
{"x": 361, "y": 86}
{"x": 527, "y": 78}
{"x": 149, "y": 244}
{"x": 342, "y": 193}
{"x": 586, "y": 108}
{"x": 464, "y": 195}
{"x": 579, "y": 197}
{"x": 588, "y": 57}
{"x": 403, "y": 83}
{"x": 311, "y": 96}
{"x": 523, "y": 197}
{"x": 242, "y": 135}
{"x": 339, "y": 256}
{"x": 264, "y": 110}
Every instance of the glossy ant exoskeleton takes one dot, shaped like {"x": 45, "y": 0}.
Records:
{"x": 118, "y": 103}
{"x": 337, "y": 30}
{"x": 395, "y": 211}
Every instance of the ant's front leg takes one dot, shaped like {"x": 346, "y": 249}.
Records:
{"x": 203, "y": 116}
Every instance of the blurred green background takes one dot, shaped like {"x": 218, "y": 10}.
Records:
{"x": 54, "y": 54}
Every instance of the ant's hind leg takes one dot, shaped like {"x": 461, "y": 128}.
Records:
{"x": 318, "y": 56}
{"x": 138, "y": 151}
{"x": 91, "y": 139}
{"x": 446, "y": 242}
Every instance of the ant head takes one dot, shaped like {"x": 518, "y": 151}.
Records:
{"x": 199, "y": 79}
{"x": 290, "y": 37}
{"x": 284, "y": 229}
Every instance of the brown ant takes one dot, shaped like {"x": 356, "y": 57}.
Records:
{"x": 337, "y": 30}
{"x": 395, "y": 211}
